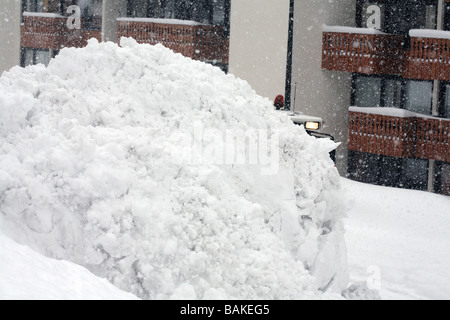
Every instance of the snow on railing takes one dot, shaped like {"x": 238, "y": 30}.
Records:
{"x": 399, "y": 133}
{"x": 192, "y": 39}
{"x": 341, "y": 29}
{"x": 429, "y": 56}
{"x": 361, "y": 50}
{"x": 428, "y": 33}
{"x": 50, "y": 31}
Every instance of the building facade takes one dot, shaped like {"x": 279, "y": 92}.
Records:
{"x": 197, "y": 29}
{"x": 377, "y": 71}
{"x": 398, "y": 57}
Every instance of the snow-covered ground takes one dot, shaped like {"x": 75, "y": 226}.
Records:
{"x": 399, "y": 240}
{"x": 27, "y": 275}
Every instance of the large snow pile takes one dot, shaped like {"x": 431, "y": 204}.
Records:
{"x": 109, "y": 158}
{"x": 25, "y": 274}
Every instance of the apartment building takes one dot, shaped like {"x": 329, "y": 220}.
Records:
{"x": 377, "y": 71}
{"x": 198, "y": 29}
{"x": 398, "y": 57}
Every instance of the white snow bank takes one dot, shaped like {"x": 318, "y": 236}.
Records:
{"x": 398, "y": 241}
{"x": 25, "y": 274}
{"x": 340, "y": 29}
{"x": 427, "y": 33}
{"x": 101, "y": 164}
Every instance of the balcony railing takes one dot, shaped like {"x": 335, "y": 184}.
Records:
{"x": 398, "y": 135}
{"x": 362, "y": 53}
{"x": 428, "y": 58}
{"x": 197, "y": 41}
{"x": 50, "y": 31}
{"x": 433, "y": 139}
{"x": 371, "y": 52}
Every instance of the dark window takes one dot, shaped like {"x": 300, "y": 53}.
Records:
{"x": 91, "y": 13}
{"x": 32, "y": 5}
{"x": 442, "y": 185}
{"x": 389, "y": 171}
{"x": 446, "y": 112}
{"x": 398, "y": 17}
{"x": 367, "y": 92}
{"x": 392, "y": 93}
{"x": 375, "y": 91}
{"x": 203, "y": 11}
{"x": 419, "y": 96}
{"x": 363, "y": 167}
{"x": 447, "y": 16}
{"x": 414, "y": 174}
{"x": 31, "y": 56}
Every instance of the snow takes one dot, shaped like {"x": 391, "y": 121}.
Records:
{"x": 42, "y": 14}
{"x": 340, "y": 29}
{"x": 162, "y": 21}
{"x": 393, "y": 112}
{"x": 398, "y": 241}
{"x": 109, "y": 159}
{"x": 428, "y": 33}
{"x": 27, "y": 275}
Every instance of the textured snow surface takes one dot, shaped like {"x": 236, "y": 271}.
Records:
{"x": 25, "y": 274}
{"x": 99, "y": 166}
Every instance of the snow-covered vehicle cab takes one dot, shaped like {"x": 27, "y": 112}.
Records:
{"x": 312, "y": 125}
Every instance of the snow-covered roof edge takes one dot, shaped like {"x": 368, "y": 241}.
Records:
{"x": 163, "y": 21}
{"x": 340, "y": 29}
{"x": 393, "y": 112}
{"x": 42, "y": 14}
{"x": 428, "y": 33}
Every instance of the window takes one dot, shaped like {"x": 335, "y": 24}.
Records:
{"x": 430, "y": 17}
{"x": 442, "y": 178}
{"x": 202, "y": 11}
{"x": 392, "y": 93}
{"x": 32, "y": 5}
{"x": 31, "y": 56}
{"x": 394, "y": 172}
{"x": 446, "y": 108}
{"x": 373, "y": 91}
{"x": 91, "y": 13}
{"x": 414, "y": 174}
{"x": 367, "y": 92}
{"x": 419, "y": 96}
{"x": 447, "y": 16}
{"x": 398, "y": 17}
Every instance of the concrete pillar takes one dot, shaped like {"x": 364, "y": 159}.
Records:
{"x": 325, "y": 94}
{"x": 258, "y": 44}
{"x": 112, "y": 9}
{"x": 10, "y": 34}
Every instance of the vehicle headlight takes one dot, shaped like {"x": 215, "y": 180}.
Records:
{"x": 312, "y": 125}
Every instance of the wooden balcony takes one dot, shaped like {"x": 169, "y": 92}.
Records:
{"x": 200, "y": 42}
{"x": 433, "y": 139}
{"x": 406, "y": 136}
{"x": 50, "y": 31}
{"x": 428, "y": 59}
{"x": 371, "y": 52}
{"x": 362, "y": 53}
